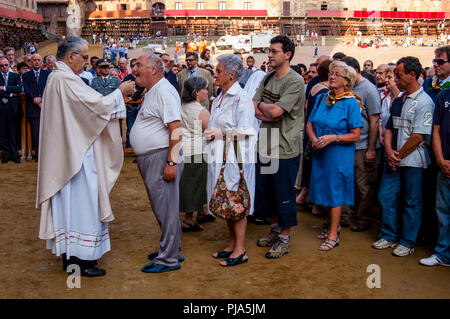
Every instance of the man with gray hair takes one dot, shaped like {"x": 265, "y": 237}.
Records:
{"x": 156, "y": 140}
{"x": 80, "y": 160}
{"x": 50, "y": 62}
{"x": 27, "y": 59}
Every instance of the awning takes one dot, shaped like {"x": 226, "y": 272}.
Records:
{"x": 121, "y": 14}
{"x": 400, "y": 15}
{"x": 378, "y": 14}
{"x": 20, "y": 14}
{"x": 215, "y": 13}
{"x": 329, "y": 14}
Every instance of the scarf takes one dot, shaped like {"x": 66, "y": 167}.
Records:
{"x": 342, "y": 96}
{"x": 436, "y": 86}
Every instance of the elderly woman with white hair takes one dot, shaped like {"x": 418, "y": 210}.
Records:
{"x": 333, "y": 128}
{"x": 232, "y": 114}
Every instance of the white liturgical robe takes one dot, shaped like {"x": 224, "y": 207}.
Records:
{"x": 79, "y": 162}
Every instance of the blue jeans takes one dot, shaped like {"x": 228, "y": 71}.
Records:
{"x": 442, "y": 250}
{"x": 131, "y": 117}
{"x": 407, "y": 181}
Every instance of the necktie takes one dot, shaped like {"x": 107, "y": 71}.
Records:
{"x": 5, "y": 78}
{"x": 37, "y": 77}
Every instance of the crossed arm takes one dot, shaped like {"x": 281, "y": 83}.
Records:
{"x": 268, "y": 112}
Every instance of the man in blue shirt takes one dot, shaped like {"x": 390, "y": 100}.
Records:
{"x": 93, "y": 61}
{"x": 441, "y": 148}
{"x": 441, "y": 80}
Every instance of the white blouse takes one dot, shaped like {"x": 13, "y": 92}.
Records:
{"x": 236, "y": 112}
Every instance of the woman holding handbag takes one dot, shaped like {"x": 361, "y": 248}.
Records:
{"x": 231, "y": 185}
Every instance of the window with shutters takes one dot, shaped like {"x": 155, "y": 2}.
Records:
{"x": 247, "y": 5}
{"x": 200, "y": 5}
{"x": 178, "y": 5}
{"x": 222, "y": 5}
{"x": 286, "y": 8}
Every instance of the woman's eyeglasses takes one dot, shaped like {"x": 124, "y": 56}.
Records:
{"x": 336, "y": 75}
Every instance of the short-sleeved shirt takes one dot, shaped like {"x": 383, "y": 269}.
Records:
{"x": 442, "y": 118}
{"x": 288, "y": 93}
{"x": 371, "y": 105}
{"x": 414, "y": 116}
{"x": 161, "y": 106}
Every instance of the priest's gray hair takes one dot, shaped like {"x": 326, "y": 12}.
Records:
{"x": 69, "y": 44}
{"x": 155, "y": 61}
{"x": 232, "y": 63}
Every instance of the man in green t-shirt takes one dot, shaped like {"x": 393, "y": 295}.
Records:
{"x": 279, "y": 104}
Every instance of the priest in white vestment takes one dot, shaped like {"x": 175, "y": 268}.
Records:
{"x": 79, "y": 160}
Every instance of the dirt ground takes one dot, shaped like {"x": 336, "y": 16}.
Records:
{"x": 31, "y": 271}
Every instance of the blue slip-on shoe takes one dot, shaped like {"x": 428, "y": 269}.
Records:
{"x": 148, "y": 266}
{"x": 159, "y": 268}
{"x": 155, "y": 254}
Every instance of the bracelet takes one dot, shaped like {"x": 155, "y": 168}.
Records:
{"x": 258, "y": 106}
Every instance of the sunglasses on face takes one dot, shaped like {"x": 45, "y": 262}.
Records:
{"x": 439, "y": 61}
{"x": 2, "y": 65}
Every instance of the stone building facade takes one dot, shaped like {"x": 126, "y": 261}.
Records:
{"x": 20, "y": 23}
{"x": 215, "y": 17}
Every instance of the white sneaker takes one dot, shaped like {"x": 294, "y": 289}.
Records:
{"x": 383, "y": 244}
{"x": 433, "y": 260}
{"x": 402, "y": 251}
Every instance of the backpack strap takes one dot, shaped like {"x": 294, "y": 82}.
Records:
{"x": 271, "y": 74}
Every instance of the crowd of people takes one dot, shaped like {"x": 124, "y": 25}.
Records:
{"x": 226, "y": 139}
{"x": 18, "y": 36}
{"x": 26, "y": 80}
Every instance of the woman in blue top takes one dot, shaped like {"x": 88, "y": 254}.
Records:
{"x": 333, "y": 128}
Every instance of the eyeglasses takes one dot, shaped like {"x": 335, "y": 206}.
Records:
{"x": 132, "y": 65}
{"x": 274, "y": 51}
{"x": 439, "y": 61}
{"x": 2, "y": 65}
{"x": 189, "y": 60}
{"x": 336, "y": 75}
{"x": 85, "y": 57}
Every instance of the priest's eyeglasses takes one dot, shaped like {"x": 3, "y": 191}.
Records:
{"x": 85, "y": 57}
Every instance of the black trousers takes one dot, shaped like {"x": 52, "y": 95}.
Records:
{"x": 83, "y": 264}
{"x": 8, "y": 130}
{"x": 34, "y": 124}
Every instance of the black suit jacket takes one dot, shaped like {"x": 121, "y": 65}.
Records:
{"x": 33, "y": 89}
{"x": 14, "y": 86}
{"x": 172, "y": 78}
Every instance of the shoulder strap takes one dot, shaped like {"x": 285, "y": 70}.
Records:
{"x": 268, "y": 78}
{"x": 237, "y": 152}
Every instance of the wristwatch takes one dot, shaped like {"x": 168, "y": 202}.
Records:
{"x": 171, "y": 163}
{"x": 337, "y": 138}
